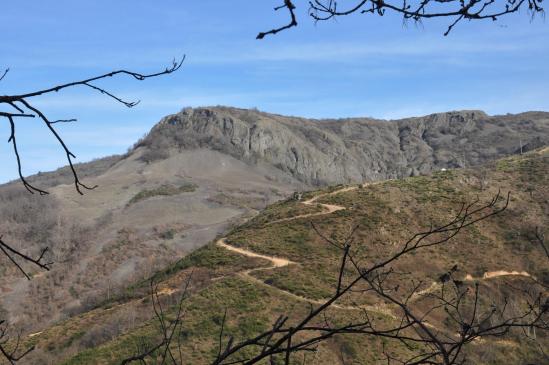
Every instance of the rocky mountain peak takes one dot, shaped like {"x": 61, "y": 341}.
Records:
{"x": 319, "y": 152}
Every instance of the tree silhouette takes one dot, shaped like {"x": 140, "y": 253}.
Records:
{"x": 455, "y": 10}
{"x": 467, "y": 318}
{"x": 14, "y": 107}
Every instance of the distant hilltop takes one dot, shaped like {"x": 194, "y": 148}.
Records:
{"x": 333, "y": 151}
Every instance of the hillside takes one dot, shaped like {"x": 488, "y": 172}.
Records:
{"x": 139, "y": 219}
{"x": 276, "y": 264}
{"x": 353, "y": 150}
{"x": 202, "y": 171}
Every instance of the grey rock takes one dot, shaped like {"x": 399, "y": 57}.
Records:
{"x": 321, "y": 152}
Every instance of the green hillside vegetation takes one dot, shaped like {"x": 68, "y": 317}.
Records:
{"x": 387, "y": 213}
{"x": 164, "y": 190}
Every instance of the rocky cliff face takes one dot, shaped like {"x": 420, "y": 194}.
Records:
{"x": 319, "y": 152}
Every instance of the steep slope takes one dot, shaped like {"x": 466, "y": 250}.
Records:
{"x": 321, "y": 152}
{"x": 139, "y": 219}
{"x": 275, "y": 264}
{"x": 204, "y": 170}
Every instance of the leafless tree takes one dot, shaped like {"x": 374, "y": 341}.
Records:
{"x": 22, "y": 107}
{"x": 468, "y": 318}
{"x": 14, "y": 353}
{"x": 455, "y": 10}
{"x": 14, "y": 107}
{"x": 170, "y": 330}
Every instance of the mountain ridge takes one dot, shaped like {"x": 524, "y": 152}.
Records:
{"x": 332, "y": 151}
{"x": 237, "y": 161}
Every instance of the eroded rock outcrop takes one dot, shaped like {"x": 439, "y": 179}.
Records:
{"x": 320, "y": 152}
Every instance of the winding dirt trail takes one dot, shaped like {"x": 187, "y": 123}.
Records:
{"x": 278, "y": 262}
{"x": 328, "y": 208}
{"x": 486, "y": 276}
{"x": 497, "y": 274}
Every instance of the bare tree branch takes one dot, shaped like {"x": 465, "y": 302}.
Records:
{"x": 13, "y": 354}
{"x": 4, "y": 74}
{"x": 467, "y": 319}
{"x": 288, "y": 5}
{"x": 24, "y": 108}
{"x": 19, "y": 106}
{"x": 455, "y": 10}
{"x": 169, "y": 329}
{"x": 12, "y": 254}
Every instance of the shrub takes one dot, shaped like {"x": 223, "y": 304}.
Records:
{"x": 154, "y": 154}
{"x": 164, "y": 190}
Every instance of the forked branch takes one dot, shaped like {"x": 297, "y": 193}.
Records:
{"x": 14, "y": 255}
{"x": 23, "y": 108}
{"x": 12, "y": 353}
{"x": 455, "y": 10}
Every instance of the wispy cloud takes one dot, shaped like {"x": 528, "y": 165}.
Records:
{"x": 342, "y": 51}
{"x": 227, "y": 52}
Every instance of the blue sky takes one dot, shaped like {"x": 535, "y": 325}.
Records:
{"x": 359, "y": 65}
